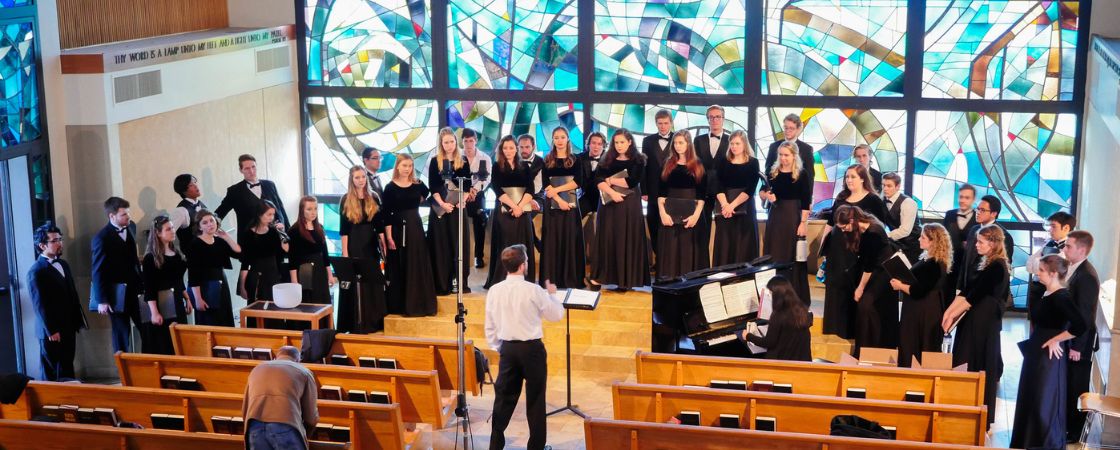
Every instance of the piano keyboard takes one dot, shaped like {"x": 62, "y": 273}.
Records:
{"x": 722, "y": 339}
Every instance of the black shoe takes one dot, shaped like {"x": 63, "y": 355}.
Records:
{"x": 478, "y": 263}
{"x": 594, "y": 287}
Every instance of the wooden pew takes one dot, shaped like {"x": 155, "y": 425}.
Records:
{"x": 440, "y": 355}
{"x": 882, "y": 383}
{"x": 371, "y": 425}
{"x": 416, "y": 391}
{"x": 798, "y": 413}
{"x": 605, "y": 434}
{"x": 26, "y": 435}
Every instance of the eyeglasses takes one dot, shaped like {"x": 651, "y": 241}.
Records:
{"x": 54, "y": 241}
{"x": 984, "y": 210}
{"x": 714, "y": 117}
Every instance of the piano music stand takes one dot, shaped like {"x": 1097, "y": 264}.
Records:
{"x": 352, "y": 272}
{"x": 568, "y": 355}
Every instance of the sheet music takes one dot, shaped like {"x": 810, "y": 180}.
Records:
{"x": 740, "y": 298}
{"x": 711, "y": 300}
{"x": 761, "y": 279}
{"x": 581, "y": 297}
{"x": 766, "y": 304}
{"x": 761, "y": 330}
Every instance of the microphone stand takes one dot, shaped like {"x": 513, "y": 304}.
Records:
{"x": 460, "y": 316}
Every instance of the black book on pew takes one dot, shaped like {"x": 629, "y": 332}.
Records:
{"x": 107, "y": 416}
{"x": 330, "y": 392}
{"x": 367, "y": 361}
{"x": 169, "y": 382}
{"x": 915, "y": 396}
{"x": 718, "y": 384}
{"x": 221, "y": 351}
{"x": 87, "y": 416}
{"x": 356, "y": 395}
{"x": 763, "y": 423}
{"x": 221, "y": 424}
{"x": 237, "y": 425}
{"x": 784, "y": 388}
{"x": 340, "y": 434}
{"x": 69, "y": 413}
{"x": 738, "y": 385}
{"x": 729, "y": 421}
{"x": 690, "y": 418}
{"x": 341, "y": 360}
{"x": 855, "y": 392}
{"x": 189, "y": 384}
{"x": 168, "y": 421}
{"x": 53, "y": 411}
{"x": 322, "y": 432}
{"x": 262, "y": 354}
{"x": 379, "y": 397}
{"x": 243, "y": 353}
{"x": 762, "y": 386}
{"x": 891, "y": 431}
{"x": 386, "y": 363}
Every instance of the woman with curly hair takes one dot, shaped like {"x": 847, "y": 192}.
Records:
{"x": 920, "y": 324}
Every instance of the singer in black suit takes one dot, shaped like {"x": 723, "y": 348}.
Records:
{"x": 1084, "y": 288}
{"x": 1061, "y": 223}
{"x": 115, "y": 272}
{"x": 710, "y": 148}
{"x": 56, "y": 305}
{"x": 791, "y": 130}
{"x": 481, "y": 166}
{"x": 656, "y": 149}
{"x": 245, "y": 196}
{"x": 589, "y": 196}
{"x": 958, "y": 222}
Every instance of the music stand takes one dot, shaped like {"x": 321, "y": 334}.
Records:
{"x": 354, "y": 272}
{"x": 568, "y": 307}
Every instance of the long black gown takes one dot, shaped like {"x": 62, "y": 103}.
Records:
{"x": 780, "y": 240}
{"x": 206, "y": 264}
{"x": 310, "y": 249}
{"x": 156, "y": 339}
{"x": 260, "y": 256}
{"x": 1040, "y": 408}
{"x": 736, "y": 237}
{"x": 506, "y": 230}
{"x": 409, "y": 266}
{"x": 841, "y": 277}
{"x": 362, "y": 242}
{"x": 919, "y": 328}
{"x": 623, "y": 252}
{"x": 562, "y": 248}
{"x": 678, "y": 248}
{"x": 976, "y": 339}
{"x": 870, "y": 329}
{"x": 443, "y": 232}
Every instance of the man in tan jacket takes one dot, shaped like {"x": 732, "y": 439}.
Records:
{"x": 279, "y": 403}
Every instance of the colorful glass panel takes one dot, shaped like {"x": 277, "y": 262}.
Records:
{"x": 360, "y": 43}
{"x": 19, "y": 91}
{"x": 492, "y": 120}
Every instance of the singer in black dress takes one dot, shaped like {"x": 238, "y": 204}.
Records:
{"x": 262, "y": 248}
{"x": 562, "y": 250}
{"x": 735, "y": 218}
{"x": 787, "y": 336}
{"x": 864, "y": 236}
{"x": 623, "y": 252}
{"x": 163, "y": 269}
{"x": 361, "y": 312}
{"x": 445, "y": 168}
{"x": 790, "y": 195}
{"x": 208, "y": 257}
{"x": 919, "y": 327}
{"x": 308, "y": 248}
{"x": 510, "y": 225}
{"x": 408, "y": 261}
{"x": 683, "y": 178}
{"x": 841, "y": 277}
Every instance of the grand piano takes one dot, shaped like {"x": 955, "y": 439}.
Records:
{"x": 679, "y": 323}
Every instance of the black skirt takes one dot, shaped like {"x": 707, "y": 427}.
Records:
{"x": 1040, "y": 409}
{"x": 976, "y": 343}
{"x": 562, "y": 260}
{"x": 443, "y": 233}
{"x": 259, "y": 281}
{"x": 780, "y": 242}
{"x": 364, "y": 311}
{"x": 736, "y": 237}
{"x": 622, "y": 255}
{"x": 219, "y": 311}
{"x": 506, "y": 230}
{"x": 841, "y": 279}
{"x": 919, "y": 328}
{"x": 679, "y": 248}
{"x": 873, "y": 319}
{"x": 410, "y": 270}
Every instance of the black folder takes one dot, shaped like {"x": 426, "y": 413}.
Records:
{"x": 896, "y": 267}
{"x": 515, "y": 194}
{"x": 624, "y": 173}
{"x": 679, "y": 209}
{"x": 732, "y": 194}
{"x": 165, "y": 302}
{"x": 568, "y": 196}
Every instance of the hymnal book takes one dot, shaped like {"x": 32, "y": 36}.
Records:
{"x": 898, "y": 266}
{"x": 452, "y": 197}
{"x": 330, "y": 392}
{"x": 356, "y": 395}
{"x": 169, "y": 382}
{"x": 783, "y": 388}
{"x": 220, "y": 424}
{"x": 857, "y": 392}
{"x": 718, "y": 384}
{"x": 379, "y": 397}
{"x": 729, "y": 421}
{"x": 624, "y": 173}
{"x": 386, "y": 363}
{"x": 88, "y": 416}
{"x": 53, "y": 412}
{"x": 367, "y": 361}
{"x": 763, "y": 423}
{"x": 915, "y": 396}
{"x": 581, "y": 299}
{"x": 168, "y": 421}
{"x": 189, "y": 384}
{"x": 262, "y": 354}
{"x": 690, "y": 418}
{"x": 341, "y": 360}
{"x": 679, "y": 209}
{"x": 738, "y": 385}
{"x": 237, "y": 425}
{"x": 243, "y": 353}
{"x": 221, "y": 351}
{"x": 340, "y": 434}
{"x": 568, "y": 196}
{"x": 69, "y": 413}
{"x": 891, "y": 431}
{"x": 732, "y": 194}
{"x": 322, "y": 432}
{"x": 165, "y": 303}
{"x": 711, "y": 302}
{"x": 762, "y": 386}
{"x": 516, "y": 194}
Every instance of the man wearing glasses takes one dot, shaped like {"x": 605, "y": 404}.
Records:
{"x": 56, "y": 305}
{"x": 371, "y": 158}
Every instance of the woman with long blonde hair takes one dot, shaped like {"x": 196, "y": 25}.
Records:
{"x": 408, "y": 263}
{"x": 790, "y": 193}
{"x": 562, "y": 248}
{"x": 360, "y": 231}
{"x": 736, "y": 221}
{"x": 919, "y": 327}
{"x": 444, "y": 170}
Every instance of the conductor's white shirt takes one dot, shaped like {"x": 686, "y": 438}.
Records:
{"x": 514, "y": 309}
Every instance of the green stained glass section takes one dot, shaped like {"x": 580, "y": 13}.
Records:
{"x": 1006, "y": 50}
{"x": 15, "y": 3}
{"x": 834, "y": 47}
{"x": 1025, "y": 159}
{"x": 833, "y": 133}
{"x": 340, "y": 128}
{"x": 515, "y": 44}
{"x": 360, "y": 43}
{"x": 492, "y": 120}
{"x": 695, "y": 46}
{"x": 19, "y": 92}
{"x": 639, "y": 119}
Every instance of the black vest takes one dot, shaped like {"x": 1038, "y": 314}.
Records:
{"x": 894, "y": 216}
{"x": 186, "y": 235}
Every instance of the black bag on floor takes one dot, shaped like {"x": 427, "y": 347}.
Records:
{"x": 856, "y": 426}
{"x": 481, "y": 368}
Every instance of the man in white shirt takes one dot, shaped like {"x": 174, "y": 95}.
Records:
{"x": 902, "y": 215}
{"x": 182, "y": 217}
{"x": 481, "y": 166}
{"x": 514, "y": 309}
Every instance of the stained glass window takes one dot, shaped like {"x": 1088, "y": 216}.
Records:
{"x": 360, "y": 43}
{"x": 19, "y": 114}
{"x": 833, "y": 133}
{"x": 13, "y": 3}
{"x": 340, "y": 128}
{"x": 639, "y": 119}
{"x": 694, "y": 46}
{"x": 1009, "y": 50}
{"x": 1025, "y": 159}
{"x": 492, "y": 120}
{"x": 519, "y": 44}
{"x": 834, "y": 47}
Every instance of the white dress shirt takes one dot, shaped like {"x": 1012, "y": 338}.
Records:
{"x": 179, "y": 216}
{"x": 255, "y": 188}
{"x": 962, "y": 221}
{"x": 906, "y": 216}
{"x": 514, "y": 309}
{"x": 476, "y": 162}
{"x": 664, "y": 139}
{"x": 1072, "y": 269}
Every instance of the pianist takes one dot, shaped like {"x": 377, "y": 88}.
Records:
{"x": 787, "y": 335}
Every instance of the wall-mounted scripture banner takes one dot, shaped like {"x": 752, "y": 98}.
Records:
{"x": 164, "y": 49}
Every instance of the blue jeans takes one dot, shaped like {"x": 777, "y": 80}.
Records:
{"x": 274, "y": 436}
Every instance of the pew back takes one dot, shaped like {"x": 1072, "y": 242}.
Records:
{"x": 417, "y": 392}
{"x": 798, "y": 413}
{"x": 440, "y": 355}
{"x": 881, "y": 383}
{"x": 25, "y": 435}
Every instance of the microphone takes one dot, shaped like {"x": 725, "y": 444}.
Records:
{"x": 284, "y": 239}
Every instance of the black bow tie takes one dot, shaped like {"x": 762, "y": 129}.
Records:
{"x": 716, "y": 136}
{"x": 1057, "y": 245}
{"x": 964, "y": 215}
{"x": 120, "y": 230}
{"x": 253, "y": 185}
